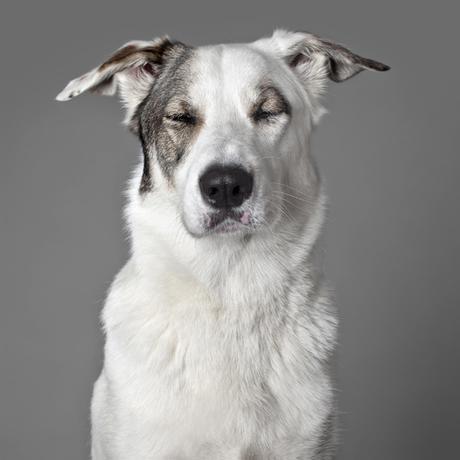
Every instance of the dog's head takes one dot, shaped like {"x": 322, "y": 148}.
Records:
{"x": 225, "y": 129}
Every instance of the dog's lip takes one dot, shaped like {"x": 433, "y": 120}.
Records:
{"x": 226, "y": 226}
{"x": 227, "y": 221}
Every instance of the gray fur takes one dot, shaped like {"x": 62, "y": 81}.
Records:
{"x": 170, "y": 143}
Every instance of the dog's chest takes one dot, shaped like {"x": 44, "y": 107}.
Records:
{"x": 185, "y": 365}
{"x": 187, "y": 347}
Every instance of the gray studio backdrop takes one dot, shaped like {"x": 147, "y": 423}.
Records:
{"x": 389, "y": 153}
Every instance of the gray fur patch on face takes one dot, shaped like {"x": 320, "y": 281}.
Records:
{"x": 167, "y": 121}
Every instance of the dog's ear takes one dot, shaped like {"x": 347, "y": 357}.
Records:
{"x": 131, "y": 70}
{"x": 315, "y": 60}
{"x": 302, "y": 49}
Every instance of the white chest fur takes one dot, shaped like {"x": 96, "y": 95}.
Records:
{"x": 187, "y": 376}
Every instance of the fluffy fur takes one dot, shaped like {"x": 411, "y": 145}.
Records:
{"x": 218, "y": 340}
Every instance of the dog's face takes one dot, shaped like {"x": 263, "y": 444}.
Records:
{"x": 221, "y": 133}
{"x": 225, "y": 129}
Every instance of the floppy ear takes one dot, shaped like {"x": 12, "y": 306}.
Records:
{"x": 316, "y": 60}
{"x": 131, "y": 70}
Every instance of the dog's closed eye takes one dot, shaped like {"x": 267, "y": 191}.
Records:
{"x": 261, "y": 114}
{"x": 181, "y": 118}
{"x": 270, "y": 105}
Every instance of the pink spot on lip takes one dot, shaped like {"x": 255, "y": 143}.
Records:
{"x": 245, "y": 218}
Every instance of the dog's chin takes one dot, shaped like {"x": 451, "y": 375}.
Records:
{"x": 222, "y": 223}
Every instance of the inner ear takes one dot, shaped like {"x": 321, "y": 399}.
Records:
{"x": 139, "y": 74}
{"x": 299, "y": 59}
{"x": 337, "y": 74}
{"x": 150, "y": 69}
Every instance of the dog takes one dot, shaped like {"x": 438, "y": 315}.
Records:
{"x": 220, "y": 327}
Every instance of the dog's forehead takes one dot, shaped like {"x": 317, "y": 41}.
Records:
{"x": 226, "y": 71}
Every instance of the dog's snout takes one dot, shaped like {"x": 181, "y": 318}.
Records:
{"x": 226, "y": 186}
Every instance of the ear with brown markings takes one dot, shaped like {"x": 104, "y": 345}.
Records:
{"x": 302, "y": 50}
{"x": 131, "y": 70}
{"x": 340, "y": 63}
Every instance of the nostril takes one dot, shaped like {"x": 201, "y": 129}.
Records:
{"x": 236, "y": 190}
{"x": 213, "y": 191}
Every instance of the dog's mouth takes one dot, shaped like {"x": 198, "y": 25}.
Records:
{"x": 228, "y": 221}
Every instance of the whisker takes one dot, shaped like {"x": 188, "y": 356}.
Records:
{"x": 289, "y": 202}
{"x": 297, "y": 197}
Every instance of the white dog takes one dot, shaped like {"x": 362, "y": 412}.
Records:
{"x": 219, "y": 329}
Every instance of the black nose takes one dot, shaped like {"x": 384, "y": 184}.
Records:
{"x": 226, "y": 186}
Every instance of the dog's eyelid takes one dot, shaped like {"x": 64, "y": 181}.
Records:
{"x": 182, "y": 117}
{"x": 271, "y": 104}
{"x": 180, "y": 110}
{"x": 262, "y": 114}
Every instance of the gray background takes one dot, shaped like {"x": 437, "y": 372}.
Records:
{"x": 388, "y": 151}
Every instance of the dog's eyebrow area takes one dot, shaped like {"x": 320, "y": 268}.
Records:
{"x": 269, "y": 103}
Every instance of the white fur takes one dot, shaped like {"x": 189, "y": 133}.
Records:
{"x": 217, "y": 346}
